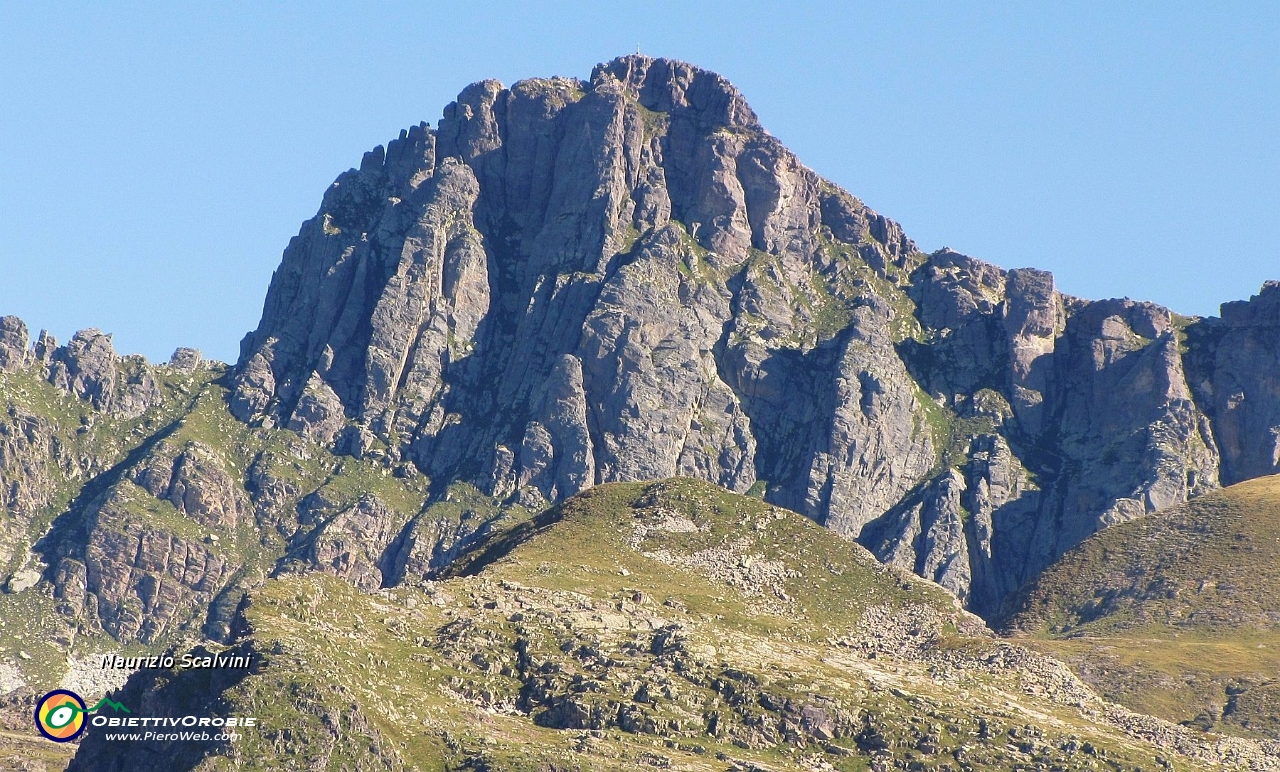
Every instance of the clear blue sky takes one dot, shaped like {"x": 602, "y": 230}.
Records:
{"x": 155, "y": 162}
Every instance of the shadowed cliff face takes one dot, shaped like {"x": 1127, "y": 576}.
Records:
{"x": 1234, "y": 365}
{"x": 570, "y": 283}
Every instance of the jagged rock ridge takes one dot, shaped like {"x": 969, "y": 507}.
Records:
{"x": 574, "y": 282}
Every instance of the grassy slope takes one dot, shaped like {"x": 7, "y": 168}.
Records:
{"x": 691, "y": 628}
{"x": 1177, "y": 614}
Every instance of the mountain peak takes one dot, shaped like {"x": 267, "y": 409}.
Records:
{"x": 669, "y": 85}
{"x": 438, "y": 452}
{"x": 571, "y": 283}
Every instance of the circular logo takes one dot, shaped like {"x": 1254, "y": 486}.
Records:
{"x": 60, "y": 715}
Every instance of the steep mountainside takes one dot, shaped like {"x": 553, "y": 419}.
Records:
{"x": 568, "y": 283}
{"x": 138, "y": 511}
{"x": 691, "y": 629}
{"x": 571, "y": 283}
{"x": 1176, "y": 614}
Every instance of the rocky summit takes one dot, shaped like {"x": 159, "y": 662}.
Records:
{"x": 567, "y": 284}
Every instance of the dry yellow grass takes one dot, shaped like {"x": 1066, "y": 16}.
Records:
{"x": 1177, "y": 614}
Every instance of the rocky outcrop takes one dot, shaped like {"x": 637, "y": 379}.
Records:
{"x": 354, "y": 542}
{"x": 876, "y": 448}
{"x": 925, "y": 534}
{"x": 1089, "y": 399}
{"x": 998, "y": 491}
{"x": 27, "y": 463}
{"x": 14, "y": 342}
{"x": 196, "y": 482}
{"x": 88, "y": 368}
{"x": 657, "y": 403}
{"x": 1125, "y": 416}
{"x": 1235, "y": 374}
{"x": 556, "y": 455}
{"x": 436, "y": 537}
{"x": 133, "y": 578}
{"x": 44, "y": 347}
{"x": 186, "y": 360}
{"x": 28, "y": 478}
{"x": 318, "y": 415}
{"x": 1034, "y": 316}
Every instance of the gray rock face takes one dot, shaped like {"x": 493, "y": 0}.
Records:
{"x": 435, "y": 538}
{"x": 186, "y": 359}
{"x": 26, "y": 457}
{"x": 659, "y": 406}
{"x": 196, "y": 482}
{"x": 1089, "y": 400}
{"x": 354, "y": 542}
{"x": 133, "y": 580}
{"x": 876, "y": 449}
{"x": 88, "y": 368}
{"x": 574, "y": 282}
{"x": 998, "y": 491}
{"x": 1033, "y": 319}
{"x": 556, "y": 453}
{"x": 14, "y": 340}
{"x": 1120, "y": 389}
{"x": 318, "y": 415}
{"x": 925, "y": 534}
{"x": 1235, "y": 374}
{"x": 44, "y": 347}
{"x": 29, "y": 454}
